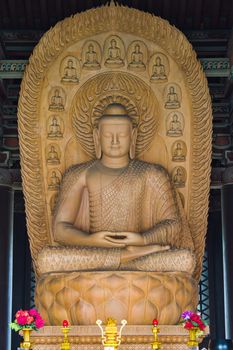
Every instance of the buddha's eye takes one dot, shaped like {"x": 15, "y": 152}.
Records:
{"x": 107, "y": 134}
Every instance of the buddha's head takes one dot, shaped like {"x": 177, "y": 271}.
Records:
{"x": 115, "y": 135}
{"x": 137, "y": 48}
{"x": 158, "y": 61}
{"x": 171, "y": 90}
{"x": 175, "y": 118}
{"x": 70, "y": 63}
{"x": 113, "y": 43}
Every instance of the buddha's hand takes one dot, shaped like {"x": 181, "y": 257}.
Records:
{"x": 134, "y": 252}
{"x": 100, "y": 239}
{"x": 126, "y": 238}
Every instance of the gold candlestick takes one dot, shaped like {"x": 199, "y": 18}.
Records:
{"x": 155, "y": 329}
{"x": 192, "y": 342}
{"x": 26, "y": 344}
{"x": 110, "y": 339}
{"x": 65, "y": 329}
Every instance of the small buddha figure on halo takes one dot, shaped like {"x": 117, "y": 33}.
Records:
{"x": 137, "y": 59}
{"x": 118, "y": 212}
{"x": 56, "y": 102}
{"x": 158, "y": 71}
{"x": 172, "y": 99}
{"x": 54, "y": 181}
{"x": 91, "y": 59}
{"x": 54, "y": 129}
{"x": 179, "y": 178}
{"x": 178, "y": 153}
{"x": 70, "y": 73}
{"x": 175, "y": 127}
{"x": 52, "y": 156}
{"x": 114, "y": 55}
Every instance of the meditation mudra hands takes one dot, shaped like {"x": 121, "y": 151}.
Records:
{"x": 132, "y": 242}
{"x": 117, "y": 239}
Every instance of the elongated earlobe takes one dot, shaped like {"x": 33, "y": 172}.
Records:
{"x": 98, "y": 151}
{"x": 132, "y": 150}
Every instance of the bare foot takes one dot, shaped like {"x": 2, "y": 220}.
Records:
{"x": 133, "y": 252}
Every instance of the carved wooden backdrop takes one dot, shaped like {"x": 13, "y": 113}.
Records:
{"x": 87, "y": 61}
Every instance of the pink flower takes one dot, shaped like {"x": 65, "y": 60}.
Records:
{"x": 22, "y": 320}
{"x": 25, "y": 313}
{"x": 39, "y": 323}
{"x": 30, "y": 319}
{"x": 33, "y": 312}
{"x": 18, "y": 313}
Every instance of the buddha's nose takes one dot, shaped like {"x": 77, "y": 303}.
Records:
{"x": 115, "y": 139}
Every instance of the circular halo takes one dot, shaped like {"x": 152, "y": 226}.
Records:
{"x": 98, "y": 92}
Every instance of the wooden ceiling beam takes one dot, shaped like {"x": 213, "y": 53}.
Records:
{"x": 29, "y": 13}
{"x": 181, "y": 14}
{"x": 230, "y": 15}
{"x": 58, "y": 9}
{"x": 197, "y": 16}
{"x": 215, "y": 13}
{"x": 12, "y": 13}
{"x": 186, "y": 14}
{"x": 44, "y": 13}
{"x": 166, "y": 9}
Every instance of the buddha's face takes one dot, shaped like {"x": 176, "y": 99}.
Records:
{"x": 175, "y": 118}
{"x": 113, "y": 43}
{"x": 115, "y": 136}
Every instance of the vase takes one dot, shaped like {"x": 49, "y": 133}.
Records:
{"x": 26, "y": 344}
{"x": 192, "y": 342}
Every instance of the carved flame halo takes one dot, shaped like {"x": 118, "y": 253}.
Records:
{"x": 116, "y": 87}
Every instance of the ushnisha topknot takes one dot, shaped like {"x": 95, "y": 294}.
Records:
{"x": 115, "y": 110}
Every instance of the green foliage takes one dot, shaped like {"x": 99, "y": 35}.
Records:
{"x": 15, "y": 326}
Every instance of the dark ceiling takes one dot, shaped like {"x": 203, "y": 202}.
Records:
{"x": 185, "y": 14}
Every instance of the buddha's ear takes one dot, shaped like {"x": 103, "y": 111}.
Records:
{"x": 96, "y": 138}
{"x": 132, "y": 149}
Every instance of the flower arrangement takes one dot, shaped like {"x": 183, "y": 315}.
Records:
{"x": 192, "y": 320}
{"x": 27, "y": 319}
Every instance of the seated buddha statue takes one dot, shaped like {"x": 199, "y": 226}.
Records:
{"x": 114, "y": 56}
{"x": 172, "y": 99}
{"x": 119, "y": 213}
{"x": 158, "y": 70}
{"x": 175, "y": 126}
{"x": 91, "y": 58}
{"x": 70, "y": 73}
{"x": 137, "y": 59}
{"x": 56, "y": 102}
{"x": 54, "y": 129}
